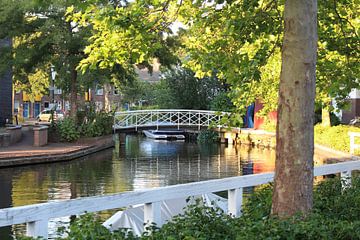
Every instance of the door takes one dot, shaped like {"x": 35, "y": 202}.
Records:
{"x": 36, "y": 109}
{"x": 26, "y": 110}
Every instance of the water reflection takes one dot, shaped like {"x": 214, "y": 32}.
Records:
{"x": 140, "y": 163}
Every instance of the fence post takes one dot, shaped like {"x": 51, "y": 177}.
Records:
{"x": 152, "y": 214}
{"x": 235, "y": 202}
{"x": 178, "y": 120}
{"x": 199, "y": 122}
{"x": 136, "y": 123}
{"x": 345, "y": 179}
{"x": 37, "y": 229}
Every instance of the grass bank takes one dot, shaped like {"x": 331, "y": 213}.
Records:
{"x": 334, "y": 137}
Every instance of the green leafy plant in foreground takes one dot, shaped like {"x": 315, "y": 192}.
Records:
{"x": 68, "y": 130}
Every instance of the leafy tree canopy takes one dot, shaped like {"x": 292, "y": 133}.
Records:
{"x": 240, "y": 42}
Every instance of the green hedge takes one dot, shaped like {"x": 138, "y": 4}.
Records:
{"x": 334, "y": 137}
{"x": 336, "y": 215}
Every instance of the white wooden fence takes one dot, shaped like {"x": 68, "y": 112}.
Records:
{"x": 166, "y": 117}
{"x": 36, "y": 216}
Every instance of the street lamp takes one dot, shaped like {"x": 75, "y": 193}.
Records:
{"x": 52, "y": 88}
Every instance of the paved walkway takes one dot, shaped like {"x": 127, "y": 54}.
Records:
{"x": 25, "y": 147}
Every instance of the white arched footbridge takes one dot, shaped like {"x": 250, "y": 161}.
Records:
{"x": 167, "y": 118}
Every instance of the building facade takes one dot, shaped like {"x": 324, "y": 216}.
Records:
{"x": 5, "y": 91}
{"x": 354, "y": 107}
{"x": 104, "y": 98}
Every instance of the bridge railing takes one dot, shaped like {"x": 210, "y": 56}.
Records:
{"x": 166, "y": 117}
{"x": 37, "y": 216}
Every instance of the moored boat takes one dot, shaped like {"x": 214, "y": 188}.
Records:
{"x": 165, "y": 134}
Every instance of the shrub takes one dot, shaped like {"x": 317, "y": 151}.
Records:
{"x": 67, "y": 130}
{"x": 208, "y": 136}
{"x": 198, "y": 222}
{"x": 222, "y": 102}
{"x": 99, "y": 125}
{"x": 89, "y": 226}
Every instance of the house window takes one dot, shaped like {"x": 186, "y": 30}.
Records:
{"x": 46, "y": 105}
{"x": 59, "y": 105}
{"x": 99, "y": 90}
{"x": 57, "y": 91}
{"x": 16, "y": 106}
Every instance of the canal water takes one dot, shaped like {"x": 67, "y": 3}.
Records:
{"x": 139, "y": 164}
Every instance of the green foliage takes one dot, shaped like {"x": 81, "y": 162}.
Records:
{"x": 334, "y": 137}
{"x": 181, "y": 89}
{"x": 125, "y": 33}
{"x": 89, "y": 124}
{"x": 269, "y": 125}
{"x": 198, "y": 222}
{"x": 240, "y": 42}
{"x": 93, "y": 123}
{"x": 97, "y": 126}
{"x": 89, "y": 226}
{"x": 222, "y": 103}
{"x": 68, "y": 130}
{"x": 208, "y": 136}
{"x": 137, "y": 90}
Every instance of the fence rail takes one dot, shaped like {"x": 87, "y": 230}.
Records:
{"x": 166, "y": 117}
{"x": 36, "y": 216}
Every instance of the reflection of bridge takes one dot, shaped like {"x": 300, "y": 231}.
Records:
{"x": 166, "y": 118}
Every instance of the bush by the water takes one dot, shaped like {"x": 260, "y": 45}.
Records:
{"x": 208, "y": 136}
{"x": 88, "y": 124}
{"x": 67, "y": 130}
{"x": 336, "y": 215}
{"x": 335, "y": 137}
{"x": 100, "y": 124}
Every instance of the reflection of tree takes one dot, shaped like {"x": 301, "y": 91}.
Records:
{"x": 5, "y": 199}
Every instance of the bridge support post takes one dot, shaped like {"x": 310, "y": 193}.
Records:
{"x": 227, "y": 137}
{"x": 222, "y": 137}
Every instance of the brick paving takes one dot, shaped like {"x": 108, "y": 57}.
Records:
{"x": 25, "y": 147}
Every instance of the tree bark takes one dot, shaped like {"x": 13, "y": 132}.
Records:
{"x": 325, "y": 117}
{"x": 295, "y": 130}
{"x": 107, "y": 89}
{"x": 73, "y": 94}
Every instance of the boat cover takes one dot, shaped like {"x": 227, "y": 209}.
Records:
{"x": 133, "y": 217}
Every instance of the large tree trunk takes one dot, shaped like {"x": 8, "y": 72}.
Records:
{"x": 295, "y": 130}
{"x": 73, "y": 94}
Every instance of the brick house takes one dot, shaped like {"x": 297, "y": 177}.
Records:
{"x": 354, "y": 110}
{"x": 27, "y": 108}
